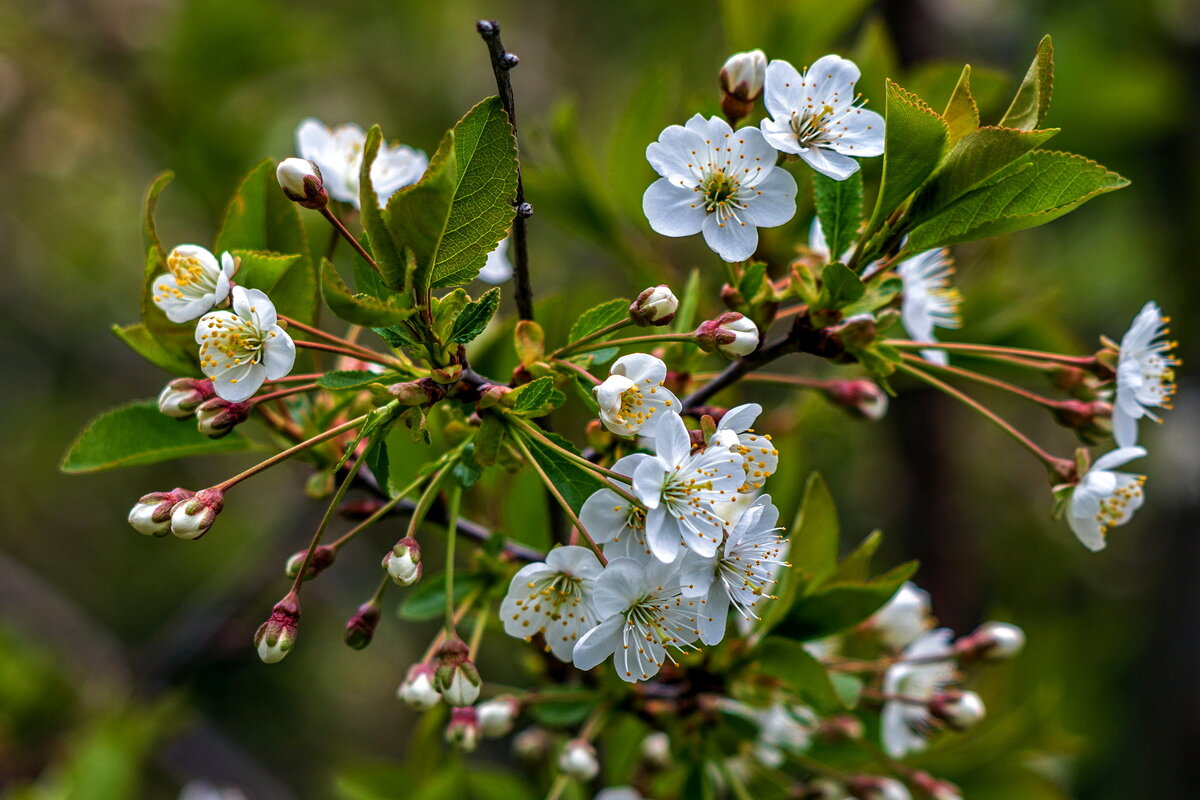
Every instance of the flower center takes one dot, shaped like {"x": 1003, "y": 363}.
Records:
{"x": 1115, "y": 508}
{"x": 721, "y": 192}
{"x": 237, "y": 340}
{"x": 186, "y": 269}
{"x": 812, "y": 126}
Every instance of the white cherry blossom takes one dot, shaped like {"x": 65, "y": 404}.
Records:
{"x": 740, "y": 574}
{"x": 553, "y": 598}
{"x": 818, "y": 116}
{"x": 643, "y": 614}
{"x": 760, "y": 457}
{"x": 906, "y": 720}
{"x": 634, "y": 397}
{"x": 928, "y": 300}
{"x": 339, "y": 153}
{"x": 1145, "y": 373}
{"x": 240, "y": 349}
{"x": 719, "y": 183}
{"x": 681, "y": 490}
{"x": 903, "y": 618}
{"x": 1105, "y": 498}
{"x": 613, "y": 522}
{"x": 194, "y": 283}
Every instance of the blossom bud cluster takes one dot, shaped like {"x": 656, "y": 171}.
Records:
{"x": 185, "y": 514}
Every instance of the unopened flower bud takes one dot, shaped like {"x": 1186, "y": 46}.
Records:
{"x": 656, "y": 750}
{"x": 463, "y": 730}
{"x": 959, "y": 710}
{"x": 871, "y": 787}
{"x": 456, "y": 677}
{"x": 934, "y": 788}
{"x": 417, "y": 689}
{"x": 1092, "y": 421}
{"x": 403, "y": 562}
{"x": 578, "y": 761}
{"x": 731, "y": 333}
{"x": 862, "y": 398}
{"x": 655, "y": 306}
{"x": 181, "y": 397}
{"x": 856, "y": 332}
{"x": 995, "y": 641}
{"x": 531, "y": 744}
{"x": 152, "y": 514}
{"x": 191, "y": 518}
{"x": 360, "y": 628}
{"x": 323, "y": 558}
{"x": 301, "y": 181}
{"x": 741, "y": 82}
{"x": 496, "y": 716}
{"x": 841, "y": 728}
{"x": 420, "y": 392}
{"x": 276, "y": 637}
{"x": 216, "y": 417}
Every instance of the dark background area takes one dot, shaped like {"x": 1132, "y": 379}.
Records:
{"x": 126, "y": 659}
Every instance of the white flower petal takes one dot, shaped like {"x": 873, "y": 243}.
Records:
{"x": 776, "y": 202}
{"x": 731, "y": 240}
{"x": 673, "y": 210}
{"x": 599, "y": 643}
{"x": 829, "y": 164}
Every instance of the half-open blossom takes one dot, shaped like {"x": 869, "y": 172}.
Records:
{"x": 634, "y": 396}
{"x": 497, "y": 268}
{"x": 339, "y": 152}
{"x": 240, "y": 349}
{"x": 903, "y": 618}
{"x": 760, "y": 457}
{"x": 301, "y": 182}
{"x": 681, "y": 490}
{"x": 992, "y": 640}
{"x": 741, "y": 573}
{"x": 741, "y": 81}
{"x": 643, "y": 615}
{"x": 654, "y": 306}
{"x": 910, "y": 685}
{"x": 1105, "y": 498}
{"x": 553, "y": 598}
{"x": 194, "y": 282}
{"x": 928, "y": 300}
{"x": 181, "y": 397}
{"x": 1145, "y": 373}
{"x": 817, "y": 116}
{"x": 719, "y": 183}
{"x": 418, "y": 690}
{"x": 730, "y": 333}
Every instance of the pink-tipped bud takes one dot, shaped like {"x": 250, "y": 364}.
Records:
{"x": 216, "y": 417}
{"x": 872, "y": 787}
{"x": 301, "y": 181}
{"x": 1091, "y": 421}
{"x": 934, "y": 788}
{"x": 462, "y": 732}
{"x": 322, "y": 559}
{"x": 181, "y": 397}
{"x": 152, "y": 514}
{"x": 993, "y": 641}
{"x": 403, "y": 562}
{"x": 531, "y": 745}
{"x": 275, "y": 638}
{"x": 655, "y": 306}
{"x": 191, "y": 518}
{"x": 578, "y": 761}
{"x": 418, "y": 690}
{"x": 741, "y": 80}
{"x": 840, "y": 728}
{"x": 496, "y": 716}
{"x": 456, "y": 677}
{"x": 959, "y": 710}
{"x": 360, "y": 628}
{"x": 732, "y": 334}
{"x": 862, "y": 398}
{"x": 656, "y": 750}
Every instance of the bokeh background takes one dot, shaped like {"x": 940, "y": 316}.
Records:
{"x": 125, "y": 664}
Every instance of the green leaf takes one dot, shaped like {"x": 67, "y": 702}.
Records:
{"x": 355, "y": 379}
{"x": 836, "y": 607}
{"x": 378, "y": 461}
{"x": 259, "y": 217}
{"x": 175, "y": 360}
{"x": 788, "y": 661}
{"x": 467, "y": 470}
{"x": 849, "y": 688}
{"x": 815, "y": 533}
{"x": 753, "y": 280}
{"x": 462, "y": 208}
{"x": 856, "y": 567}
{"x": 446, "y": 310}
{"x": 388, "y": 253}
{"x": 262, "y": 271}
{"x": 396, "y": 336}
{"x": 1051, "y": 185}
{"x": 361, "y": 309}
{"x": 913, "y": 145}
{"x": 689, "y": 300}
{"x": 840, "y": 286}
{"x": 563, "y": 713}
{"x": 839, "y": 207}
{"x": 536, "y": 398}
{"x": 975, "y": 159}
{"x": 428, "y": 600}
{"x": 488, "y": 440}
{"x": 138, "y": 433}
{"x": 1032, "y": 100}
{"x": 599, "y": 317}
{"x": 150, "y": 238}
{"x": 575, "y": 483}
{"x": 475, "y": 317}
{"x": 961, "y": 114}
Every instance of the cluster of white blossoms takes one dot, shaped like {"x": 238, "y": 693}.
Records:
{"x": 726, "y": 183}
{"x": 684, "y": 537}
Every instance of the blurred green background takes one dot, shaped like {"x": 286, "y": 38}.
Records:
{"x": 125, "y": 662}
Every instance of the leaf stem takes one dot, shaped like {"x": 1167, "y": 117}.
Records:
{"x": 481, "y": 618}
{"x": 987, "y": 380}
{"x": 591, "y": 337}
{"x": 583, "y": 462}
{"x": 349, "y": 237}
{"x": 325, "y": 520}
{"x": 332, "y": 338}
{"x": 378, "y": 514}
{"x": 275, "y": 395}
{"x": 583, "y": 373}
{"x": 360, "y": 355}
{"x": 655, "y": 337}
{"x": 988, "y": 349}
{"x": 291, "y": 451}
{"x": 554, "y": 492}
{"x": 451, "y": 538}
